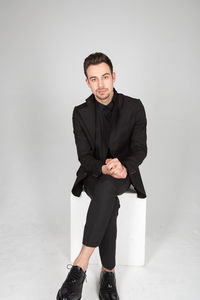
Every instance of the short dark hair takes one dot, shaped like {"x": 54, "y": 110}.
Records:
{"x": 95, "y": 59}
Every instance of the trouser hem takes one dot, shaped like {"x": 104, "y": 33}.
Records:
{"x": 108, "y": 267}
{"x": 89, "y": 244}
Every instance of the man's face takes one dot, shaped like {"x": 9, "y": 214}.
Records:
{"x": 100, "y": 81}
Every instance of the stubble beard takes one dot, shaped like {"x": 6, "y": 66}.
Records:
{"x": 103, "y": 98}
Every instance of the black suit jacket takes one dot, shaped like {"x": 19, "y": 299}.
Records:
{"x": 127, "y": 139}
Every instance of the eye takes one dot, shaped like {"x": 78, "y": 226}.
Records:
{"x": 106, "y": 77}
{"x": 93, "y": 79}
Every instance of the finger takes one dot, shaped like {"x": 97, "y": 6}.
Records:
{"x": 114, "y": 160}
{"x": 108, "y": 159}
{"x": 116, "y": 171}
{"x": 117, "y": 168}
{"x": 115, "y": 176}
{"x": 113, "y": 164}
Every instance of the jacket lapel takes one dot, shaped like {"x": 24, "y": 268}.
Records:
{"x": 87, "y": 114}
{"x": 115, "y": 116}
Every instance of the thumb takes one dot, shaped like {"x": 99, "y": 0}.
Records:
{"x": 107, "y": 160}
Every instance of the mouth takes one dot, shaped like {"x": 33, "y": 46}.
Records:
{"x": 101, "y": 92}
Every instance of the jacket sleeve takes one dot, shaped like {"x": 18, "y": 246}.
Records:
{"x": 90, "y": 164}
{"x": 138, "y": 146}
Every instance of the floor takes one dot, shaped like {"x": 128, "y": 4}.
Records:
{"x": 34, "y": 260}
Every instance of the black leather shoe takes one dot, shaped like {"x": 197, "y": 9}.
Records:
{"x": 108, "y": 290}
{"x": 73, "y": 284}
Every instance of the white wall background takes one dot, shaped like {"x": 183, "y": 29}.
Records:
{"x": 154, "y": 47}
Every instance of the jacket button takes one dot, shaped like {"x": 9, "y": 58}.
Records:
{"x": 85, "y": 173}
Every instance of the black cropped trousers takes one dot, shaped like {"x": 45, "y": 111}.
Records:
{"x": 100, "y": 228}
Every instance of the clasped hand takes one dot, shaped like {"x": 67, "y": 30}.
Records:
{"x": 114, "y": 168}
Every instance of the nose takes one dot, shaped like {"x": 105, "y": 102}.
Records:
{"x": 100, "y": 83}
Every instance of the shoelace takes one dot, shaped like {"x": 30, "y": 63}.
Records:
{"x": 73, "y": 277}
{"x": 108, "y": 285}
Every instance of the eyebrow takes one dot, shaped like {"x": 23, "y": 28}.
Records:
{"x": 96, "y": 76}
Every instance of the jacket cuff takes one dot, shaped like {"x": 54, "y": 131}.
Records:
{"x": 98, "y": 171}
{"x": 130, "y": 170}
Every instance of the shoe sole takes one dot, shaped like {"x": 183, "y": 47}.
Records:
{"x": 58, "y": 298}
{"x": 102, "y": 298}
{"x": 65, "y": 299}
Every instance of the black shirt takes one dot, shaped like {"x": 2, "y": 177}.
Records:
{"x": 103, "y": 128}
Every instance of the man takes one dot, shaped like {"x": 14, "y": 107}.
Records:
{"x": 110, "y": 136}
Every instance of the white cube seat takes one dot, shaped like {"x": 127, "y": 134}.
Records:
{"x": 131, "y": 223}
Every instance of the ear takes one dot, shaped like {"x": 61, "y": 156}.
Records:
{"x": 87, "y": 81}
{"x": 114, "y": 76}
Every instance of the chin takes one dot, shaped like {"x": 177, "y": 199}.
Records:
{"x": 105, "y": 97}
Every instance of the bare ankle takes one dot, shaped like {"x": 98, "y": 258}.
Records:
{"x": 82, "y": 264}
{"x": 107, "y": 270}
{"x": 83, "y": 258}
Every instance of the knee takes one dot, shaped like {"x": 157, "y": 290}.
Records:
{"x": 105, "y": 187}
